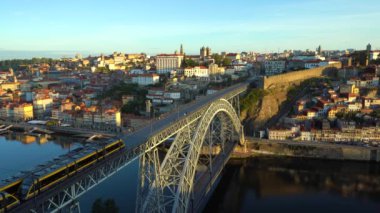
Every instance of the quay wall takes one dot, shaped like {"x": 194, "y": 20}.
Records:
{"x": 306, "y": 149}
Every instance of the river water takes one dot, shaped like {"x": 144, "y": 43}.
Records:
{"x": 278, "y": 184}
{"x": 260, "y": 184}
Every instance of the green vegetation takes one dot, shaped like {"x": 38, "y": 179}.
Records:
{"x": 117, "y": 91}
{"x": 250, "y": 102}
{"x": 219, "y": 60}
{"x": 108, "y": 206}
{"x": 134, "y": 106}
{"x": 376, "y": 113}
{"x": 189, "y": 63}
{"x": 226, "y": 62}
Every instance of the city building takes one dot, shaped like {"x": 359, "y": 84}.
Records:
{"x": 146, "y": 79}
{"x": 233, "y": 56}
{"x": 214, "y": 69}
{"x": 23, "y": 112}
{"x": 274, "y": 67}
{"x": 42, "y": 106}
{"x": 278, "y": 133}
{"x": 205, "y": 52}
{"x": 168, "y": 62}
{"x": 197, "y": 71}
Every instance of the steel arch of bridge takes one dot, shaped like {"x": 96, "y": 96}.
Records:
{"x": 168, "y": 186}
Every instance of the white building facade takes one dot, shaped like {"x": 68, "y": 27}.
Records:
{"x": 146, "y": 79}
{"x": 198, "y": 71}
{"x": 274, "y": 67}
{"x": 167, "y": 62}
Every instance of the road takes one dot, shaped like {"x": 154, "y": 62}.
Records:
{"x": 142, "y": 135}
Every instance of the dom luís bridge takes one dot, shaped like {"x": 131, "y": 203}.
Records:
{"x": 195, "y": 143}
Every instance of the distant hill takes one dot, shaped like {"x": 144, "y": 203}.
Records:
{"x": 16, "y": 54}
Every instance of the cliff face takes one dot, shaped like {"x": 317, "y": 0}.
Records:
{"x": 270, "y": 106}
{"x": 276, "y": 90}
{"x": 259, "y": 112}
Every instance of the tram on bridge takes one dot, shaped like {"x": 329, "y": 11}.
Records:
{"x": 29, "y": 184}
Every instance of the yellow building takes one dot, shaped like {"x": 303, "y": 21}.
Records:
{"x": 42, "y": 105}
{"x": 214, "y": 69}
{"x": 23, "y": 112}
{"x": 11, "y": 86}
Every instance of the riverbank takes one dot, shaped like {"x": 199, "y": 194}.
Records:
{"x": 255, "y": 147}
{"x": 77, "y": 132}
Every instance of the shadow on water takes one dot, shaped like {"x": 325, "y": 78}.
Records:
{"x": 274, "y": 184}
{"x": 107, "y": 206}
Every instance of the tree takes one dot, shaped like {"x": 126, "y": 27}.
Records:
{"x": 189, "y": 63}
{"x": 218, "y": 59}
{"x": 132, "y": 107}
{"x": 226, "y": 62}
{"x": 109, "y": 206}
{"x": 251, "y": 100}
{"x": 375, "y": 113}
{"x": 97, "y": 206}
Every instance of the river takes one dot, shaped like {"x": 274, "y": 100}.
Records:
{"x": 278, "y": 184}
{"x": 260, "y": 184}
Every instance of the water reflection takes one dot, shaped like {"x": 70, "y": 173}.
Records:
{"x": 20, "y": 152}
{"x": 278, "y": 184}
{"x": 65, "y": 142}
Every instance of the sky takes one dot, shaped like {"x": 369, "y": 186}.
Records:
{"x": 152, "y": 26}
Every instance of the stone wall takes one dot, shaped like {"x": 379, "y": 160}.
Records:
{"x": 307, "y": 149}
{"x": 298, "y": 76}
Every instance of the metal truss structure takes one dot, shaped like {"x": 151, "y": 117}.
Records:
{"x": 199, "y": 144}
{"x": 64, "y": 197}
{"x": 202, "y": 139}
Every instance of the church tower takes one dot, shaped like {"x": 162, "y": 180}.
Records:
{"x": 181, "y": 50}
{"x": 369, "y": 49}
{"x": 203, "y": 52}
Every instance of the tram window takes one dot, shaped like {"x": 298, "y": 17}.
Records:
{"x": 52, "y": 178}
{"x": 87, "y": 160}
{"x": 71, "y": 168}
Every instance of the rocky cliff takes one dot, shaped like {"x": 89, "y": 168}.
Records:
{"x": 276, "y": 90}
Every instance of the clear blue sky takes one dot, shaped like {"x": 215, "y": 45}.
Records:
{"x": 155, "y": 26}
